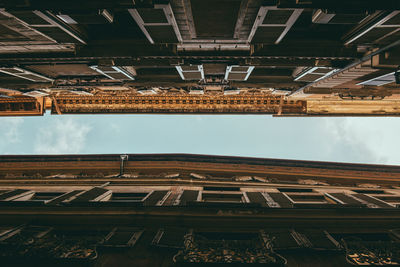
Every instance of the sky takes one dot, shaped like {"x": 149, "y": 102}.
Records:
{"x": 342, "y": 139}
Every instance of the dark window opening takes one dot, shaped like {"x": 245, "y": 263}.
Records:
{"x": 226, "y": 198}
{"x": 43, "y": 196}
{"x": 295, "y": 189}
{"x": 128, "y": 196}
{"x": 215, "y": 188}
{"x": 307, "y": 198}
{"x": 390, "y": 199}
{"x": 28, "y": 106}
{"x": 367, "y": 191}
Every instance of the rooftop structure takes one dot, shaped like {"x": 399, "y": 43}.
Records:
{"x": 285, "y": 58}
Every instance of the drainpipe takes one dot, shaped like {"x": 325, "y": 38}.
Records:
{"x": 121, "y": 168}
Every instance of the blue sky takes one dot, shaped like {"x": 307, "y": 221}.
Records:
{"x": 365, "y": 140}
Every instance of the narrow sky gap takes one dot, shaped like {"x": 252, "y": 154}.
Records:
{"x": 358, "y": 140}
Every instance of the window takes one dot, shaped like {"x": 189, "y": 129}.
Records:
{"x": 170, "y": 237}
{"x": 238, "y": 73}
{"x": 212, "y": 188}
{"x": 315, "y": 74}
{"x": 43, "y": 196}
{"x": 191, "y": 72}
{"x": 390, "y": 199}
{"x": 368, "y": 191}
{"x": 123, "y": 237}
{"x": 299, "y": 197}
{"x": 125, "y": 197}
{"x": 380, "y": 80}
{"x": 223, "y": 197}
{"x": 295, "y": 189}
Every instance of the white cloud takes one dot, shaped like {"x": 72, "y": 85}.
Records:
{"x": 368, "y": 140}
{"x": 115, "y": 127}
{"x": 380, "y": 135}
{"x": 64, "y": 136}
{"x": 10, "y": 131}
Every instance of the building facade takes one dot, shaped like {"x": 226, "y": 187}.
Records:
{"x": 191, "y": 210}
{"x": 285, "y": 58}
